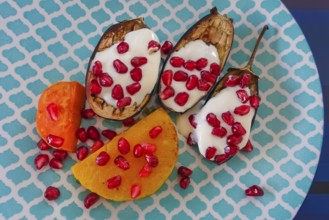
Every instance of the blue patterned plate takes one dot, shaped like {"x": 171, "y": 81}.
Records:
{"x": 42, "y": 42}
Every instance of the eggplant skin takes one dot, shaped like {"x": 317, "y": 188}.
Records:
{"x": 112, "y": 35}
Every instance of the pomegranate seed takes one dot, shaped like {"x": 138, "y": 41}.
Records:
{"x": 82, "y": 152}
{"x": 177, "y": 61}
{"x": 184, "y": 171}
{"x": 228, "y": 118}
{"x": 138, "y": 61}
{"x": 133, "y": 88}
{"x": 167, "y": 93}
{"x": 254, "y": 101}
{"x": 232, "y": 80}
{"x": 42, "y": 145}
{"x": 166, "y": 47}
{"x": 95, "y": 88}
{"x": 180, "y": 76}
{"x": 60, "y": 154}
{"x": 210, "y": 152}
{"x": 121, "y": 103}
{"x": 117, "y": 92}
{"x": 56, "y": 163}
{"x": 219, "y": 132}
{"x": 109, "y": 134}
{"x": 192, "y": 82}
{"x": 201, "y": 63}
{"x": 93, "y": 133}
{"x": 212, "y": 120}
{"x": 90, "y": 200}
{"x": 154, "y": 132}
{"x": 248, "y": 147}
{"x": 97, "y": 68}
{"x": 53, "y": 111}
{"x": 81, "y": 134}
{"x": 221, "y": 158}
{"x": 184, "y": 182}
{"x": 55, "y": 141}
{"x": 181, "y": 98}
{"x": 242, "y": 110}
{"x": 245, "y": 79}
{"x": 203, "y": 86}
{"x": 208, "y": 77}
{"x": 123, "y": 146}
{"x": 102, "y": 158}
{"x": 113, "y": 182}
{"x": 190, "y": 65}
{"x": 153, "y": 46}
{"x": 97, "y": 145}
{"x": 238, "y": 129}
{"x": 166, "y": 77}
{"x": 135, "y": 191}
{"x": 128, "y": 122}
{"x": 192, "y": 121}
{"x": 231, "y": 150}
{"x": 149, "y": 148}
{"x": 105, "y": 80}
{"x": 146, "y": 170}
{"x": 233, "y": 140}
{"x": 242, "y": 95}
{"x": 121, "y": 162}
{"x": 52, "y": 193}
{"x": 215, "y": 69}
{"x": 87, "y": 113}
{"x": 119, "y": 66}
{"x": 254, "y": 190}
{"x": 190, "y": 141}
{"x": 136, "y": 74}
{"x": 138, "y": 150}
{"x": 41, "y": 160}
{"x": 152, "y": 160}
{"x": 122, "y": 47}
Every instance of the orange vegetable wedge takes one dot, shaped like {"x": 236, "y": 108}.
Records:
{"x": 95, "y": 177}
{"x": 59, "y": 114}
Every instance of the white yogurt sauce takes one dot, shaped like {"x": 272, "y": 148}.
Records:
{"x": 138, "y": 46}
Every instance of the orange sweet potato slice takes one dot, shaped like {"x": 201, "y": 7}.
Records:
{"x": 95, "y": 177}
{"x": 58, "y": 114}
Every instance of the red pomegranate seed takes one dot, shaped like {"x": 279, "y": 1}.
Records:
{"x": 135, "y": 191}
{"x": 212, "y": 120}
{"x": 121, "y": 103}
{"x": 117, "y": 92}
{"x": 254, "y": 101}
{"x": 138, "y": 61}
{"x": 153, "y": 46}
{"x": 87, "y": 113}
{"x": 55, "y": 141}
{"x": 242, "y": 95}
{"x": 233, "y": 140}
{"x": 215, "y": 69}
{"x": 184, "y": 171}
{"x": 97, "y": 145}
{"x": 138, "y": 150}
{"x": 192, "y": 82}
{"x": 60, "y": 154}
{"x": 102, "y": 158}
{"x": 177, "y": 61}
{"x": 208, "y": 77}
{"x": 254, "y": 190}
{"x": 232, "y": 80}
{"x": 190, "y": 140}
{"x": 122, "y": 47}
{"x": 245, "y": 79}
{"x": 52, "y": 193}
{"x": 166, "y": 77}
{"x": 181, "y": 98}
{"x": 238, "y": 129}
{"x": 154, "y": 132}
{"x": 152, "y": 160}
{"x": 192, "y": 121}
{"x": 41, "y": 160}
{"x": 231, "y": 150}
{"x": 203, "y": 85}
{"x": 93, "y": 133}
{"x": 210, "y": 152}
{"x": 242, "y": 110}
{"x": 109, "y": 134}
{"x": 180, "y": 76}
{"x": 166, "y": 47}
{"x": 149, "y": 148}
{"x": 105, "y": 80}
{"x": 42, "y": 145}
{"x": 81, "y": 134}
{"x": 56, "y": 163}
{"x": 219, "y": 132}
{"x": 248, "y": 147}
{"x": 97, "y": 68}
{"x": 119, "y": 66}
{"x": 90, "y": 200}
{"x": 133, "y": 88}
{"x": 167, "y": 93}
{"x": 82, "y": 152}
{"x": 121, "y": 162}
{"x": 95, "y": 88}
{"x": 201, "y": 63}
{"x": 123, "y": 146}
{"x": 113, "y": 182}
{"x": 221, "y": 158}
{"x": 190, "y": 65}
{"x": 228, "y": 118}
{"x": 145, "y": 171}
{"x": 184, "y": 182}
{"x": 136, "y": 74}
{"x": 53, "y": 111}
{"x": 128, "y": 122}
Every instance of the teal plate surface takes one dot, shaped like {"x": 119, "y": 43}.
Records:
{"x": 42, "y": 42}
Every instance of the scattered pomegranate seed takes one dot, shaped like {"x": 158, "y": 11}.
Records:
{"x": 233, "y": 140}
{"x": 248, "y": 147}
{"x": 232, "y": 80}
{"x": 119, "y": 66}
{"x": 56, "y": 163}
{"x": 138, "y": 61}
{"x": 117, "y": 92}
{"x": 121, "y": 103}
{"x": 245, "y": 79}
{"x": 219, "y": 132}
{"x": 201, "y": 63}
{"x": 166, "y": 77}
{"x": 190, "y": 141}
{"x": 113, "y": 182}
{"x": 52, "y": 193}
{"x": 242, "y": 110}
{"x": 153, "y": 46}
{"x": 109, "y": 134}
{"x": 242, "y": 95}
{"x": 231, "y": 150}
{"x": 152, "y": 160}
{"x": 42, "y": 145}
{"x": 149, "y": 148}
{"x": 177, "y": 61}
{"x": 215, "y": 69}
{"x": 138, "y": 150}
{"x": 192, "y": 121}
{"x": 102, "y": 158}
{"x": 238, "y": 129}
{"x": 82, "y": 152}
{"x": 97, "y": 68}
{"x": 95, "y": 88}
{"x": 254, "y": 101}
{"x": 221, "y": 158}
{"x": 60, "y": 154}
{"x": 122, "y": 47}
{"x": 181, "y": 98}
{"x": 87, "y": 113}
{"x": 135, "y": 191}
{"x": 167, "y": 93}
{"x": 90, "y": 200}
{"x": 203, "y": 85}
{"x": 190, "y": 65}
{"x": 228, "y": 118}
{"x": 105, "y": 80}
{"x": 145, "y": 171}
{"x": 121, "y": 162}
{"x": 55, "y": 141}
{"x": 128, "y": 122}
{"x": 184, "y": 171}
{"x": 133, "y": 88}
{"x": 93, "y": 133}
{"x": 210, "y": 152}
{"x": 41, "y": 160}
{"x": 166, "y": 47}
{"x": 97, "y": 145}
{"x": 208, "y": 77}
{"x": 154, "y": 132}
{"x": 180, "y": 76}
{"x": 81, "y": 134}
{"x": 53, "y": 111}
{"x": 123, "y": 146}
{"x": 191, "y": 82}
{"x": 184, "y": 182}
{"x": 136, "y": 74}
{"x": 254, "y": 190}
{"x": 212, "y": 120}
